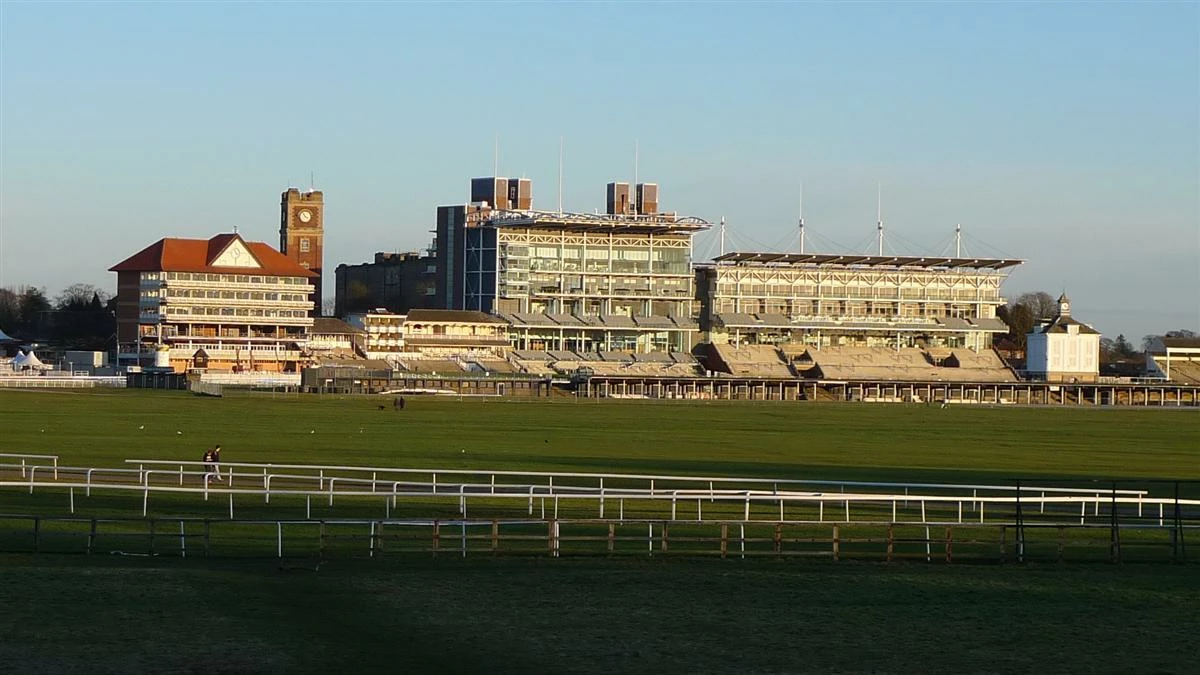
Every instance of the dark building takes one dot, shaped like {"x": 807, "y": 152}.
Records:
{"x": 395, "y": 281}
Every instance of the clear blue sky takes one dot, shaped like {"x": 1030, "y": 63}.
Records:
{"x": 1065, "y": 134}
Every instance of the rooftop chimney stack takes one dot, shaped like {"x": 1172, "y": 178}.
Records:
{"x": 618, "y": 203}
{"x": 647, "y": 199}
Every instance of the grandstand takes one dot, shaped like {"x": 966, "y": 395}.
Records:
{"x": 589, "y": 332}
{"x": 568, "y": 363}
{"x": 1175, "y": 359}
{"x": 859, "y": 363}
{"x": 851, "y": 300}
{"x": 905, "y": 364}
{"x": 758, "y": 361}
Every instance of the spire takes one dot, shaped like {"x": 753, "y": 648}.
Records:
{"x": 1064, "y": 305}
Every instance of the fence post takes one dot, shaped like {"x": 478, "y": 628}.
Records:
{"x": 321, "y": 538}
{"x": 1179, "y": 553}
{"x": 724, "y": 540}
{"x": 779, "y": 535}
{"x": 495, "y": 536}
{"x": 37, "y": 534}
{"x": 91, "y": 542}
{"x": 836, "y": 543}
{"x": 1020, "y": 527}
{"x": 891, "y": 540}
{"x": 665, "y": 528}
{"x": 949, "y": 544}
{"x": 437, "y": 527}
{"x": 1115, "y": 541}
{"x": 612, "y": 536}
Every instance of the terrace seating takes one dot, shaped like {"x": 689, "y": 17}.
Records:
{"x": 751, "y": 361}
{"x": 1180, "y": 370}
{"x": 907, "y": 364}
{"x": 432, "y": 366}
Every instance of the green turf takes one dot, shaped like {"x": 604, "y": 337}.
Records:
{"x": 593, "y": 616}
{"x": 831, "y": 441}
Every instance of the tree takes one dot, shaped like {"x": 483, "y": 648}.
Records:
{"x": 1042, "y": 306}
{"x": 10, "y": 309}
{"x": 1154, "y": 342}
{"x": 79, "y": 297}
{"x": 1019, "y": 320}
{"x": 1122, "y": 348}
{"x": 32, "y": 303}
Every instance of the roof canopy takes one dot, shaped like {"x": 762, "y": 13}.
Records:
{"x": 753, "y": 258}
{"x": 601, "y": 222}
{"x": 224, "y": 253}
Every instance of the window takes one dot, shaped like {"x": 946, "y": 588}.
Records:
{"x": 304, "y": 244}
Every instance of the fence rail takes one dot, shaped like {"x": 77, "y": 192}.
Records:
{"x": 321, "y": 540}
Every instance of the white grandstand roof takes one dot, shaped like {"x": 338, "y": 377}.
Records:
{"x": 657, "y": 223}
{"x": 759, "y": 258}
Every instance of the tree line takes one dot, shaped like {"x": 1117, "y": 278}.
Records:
{"x": 81, "y": 317}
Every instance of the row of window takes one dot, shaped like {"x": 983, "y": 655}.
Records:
{"x": 223, "y": 278}
{"x": 229, "y": 311}
{"x": 237, "y": 295}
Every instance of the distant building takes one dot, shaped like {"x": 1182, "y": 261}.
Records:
{"x": 396, "y": 282}
{"x": 220, "y": 304}
{"x": 331, "y": 338}
{"x": 621, "y": 280}
{"x": 1064, "y": 350}
{"x": 383, "y": 336}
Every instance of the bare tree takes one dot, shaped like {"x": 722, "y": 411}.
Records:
{"x": 1042, "y": 306}
{"x": 80, "y": 296}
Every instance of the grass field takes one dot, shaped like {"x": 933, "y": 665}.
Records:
{"x": 107, "y": 614}
{"x": 832, "y": 441}
{"x": 591, "y": 616}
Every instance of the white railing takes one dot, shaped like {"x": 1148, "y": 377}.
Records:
{"x": 26, "y": 457}
{"x": 755, "y": 505}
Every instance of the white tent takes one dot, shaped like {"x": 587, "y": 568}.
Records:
{"x": 28, "y": 361}
{"x": 5, "y": 338}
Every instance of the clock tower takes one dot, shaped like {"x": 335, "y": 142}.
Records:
{"x": 302, "y": 233}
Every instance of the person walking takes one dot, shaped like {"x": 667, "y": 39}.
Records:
{"x": 216, "y": 461}
{"x": 208, "y": 465}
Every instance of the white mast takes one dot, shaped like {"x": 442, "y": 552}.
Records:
{"x": 560, "y": 173}
{"x": 879, "y": 215}
{"x": 722, "y": 235}
{"x": 496, "y": 157}
{"x": 958, "y": 240}
{"x": 801, "y": 216}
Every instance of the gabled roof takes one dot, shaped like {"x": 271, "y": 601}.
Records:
{"x": 1060, "y": 323}
{"x": 330, "y": 326}
{"x": 450, "y": 316}
{"x": 201, "y": 255}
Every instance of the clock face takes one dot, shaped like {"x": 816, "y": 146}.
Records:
{"x": 305, "y": 215}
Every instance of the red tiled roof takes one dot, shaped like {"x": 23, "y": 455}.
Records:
{"x": 196, "y": 255}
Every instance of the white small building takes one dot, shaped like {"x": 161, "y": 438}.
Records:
{"x": 1064, "y": 350}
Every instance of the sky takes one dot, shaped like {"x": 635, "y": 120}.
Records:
{"x": 1063, "y": 134}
